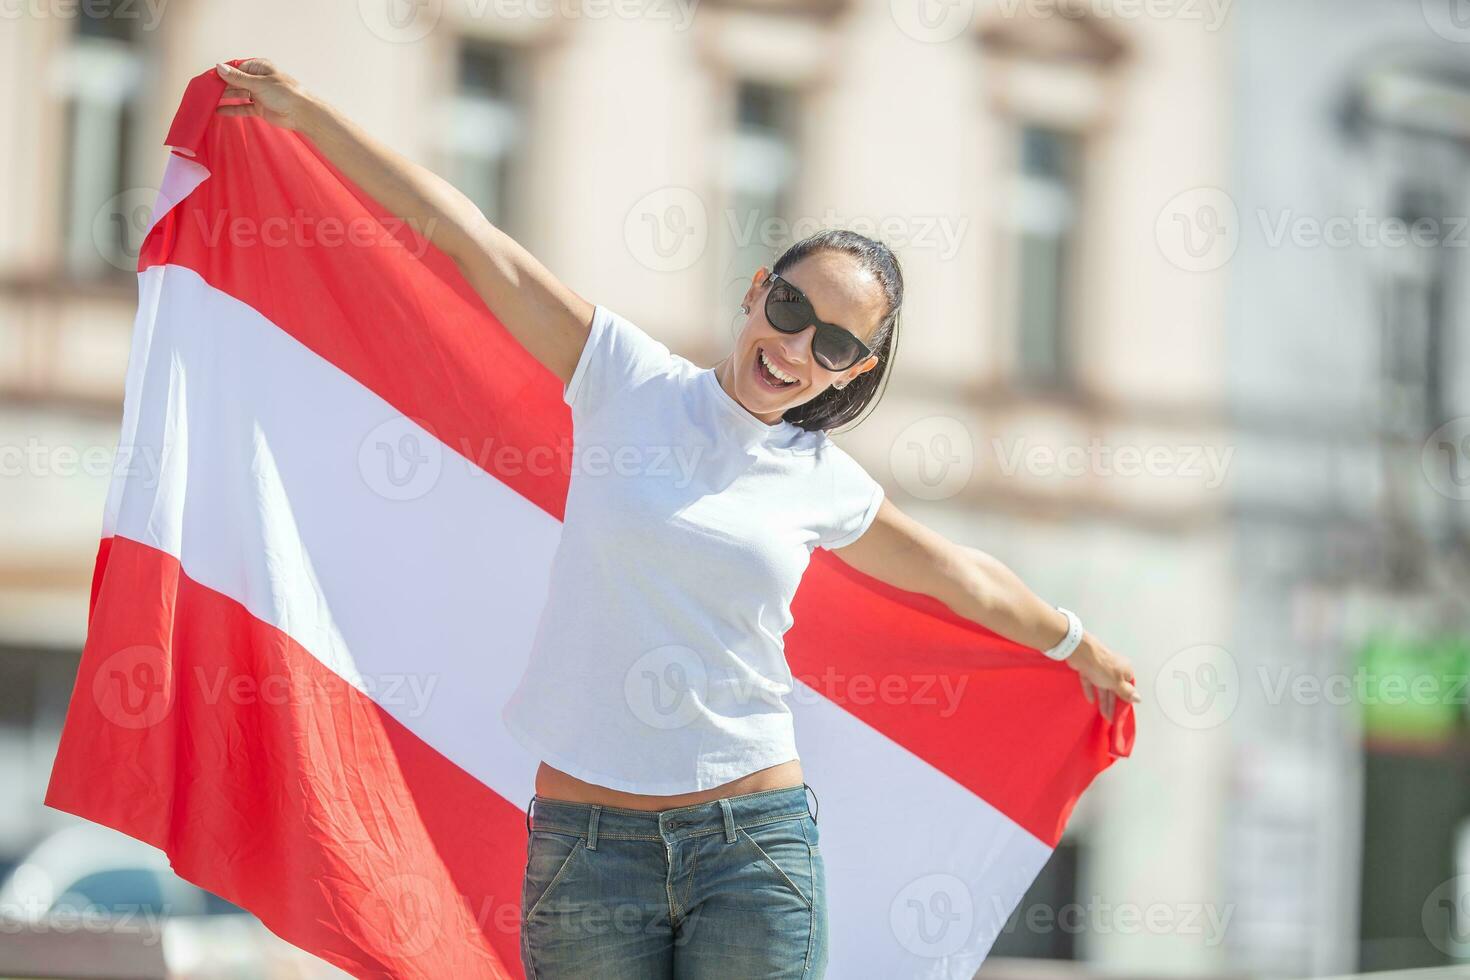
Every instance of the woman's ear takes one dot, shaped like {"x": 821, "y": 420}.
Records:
{"x": 756, "y": 281}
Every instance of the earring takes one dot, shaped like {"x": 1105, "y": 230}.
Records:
{"x": 840, "y": 384}
{"x": 744, "y": 308}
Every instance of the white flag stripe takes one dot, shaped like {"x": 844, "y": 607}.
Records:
{"x": 921, "y": 872}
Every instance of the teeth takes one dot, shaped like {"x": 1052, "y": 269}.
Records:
{"x": 780, "y": 375}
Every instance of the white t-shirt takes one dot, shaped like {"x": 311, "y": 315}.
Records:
{"x": 658, "y": 664}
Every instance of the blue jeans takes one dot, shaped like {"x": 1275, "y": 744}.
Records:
{"x": 730, "y": 889}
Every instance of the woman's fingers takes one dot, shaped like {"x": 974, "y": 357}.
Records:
{"x": 247, "y": 74}
{"x": 1109, "y": 688}
{"x": 1106, "y": 677}
{"x": 1121, "y": 687}
{"x": 234, "y": 76}
{"x": 272, "y": 95}
{"x": 1119, "y": 679}
{"x": 257, "y": 66}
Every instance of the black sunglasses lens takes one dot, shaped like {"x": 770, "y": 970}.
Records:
{"x": 787, "y": 310}
{"x": 835, "y": 349}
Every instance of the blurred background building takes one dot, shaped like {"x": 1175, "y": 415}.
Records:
{"x": 1185, "y": 344}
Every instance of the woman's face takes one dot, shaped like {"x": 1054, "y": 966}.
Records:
{"x": 843, "y": 293}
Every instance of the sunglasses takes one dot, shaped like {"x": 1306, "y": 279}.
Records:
{"x": 789, "y": 311}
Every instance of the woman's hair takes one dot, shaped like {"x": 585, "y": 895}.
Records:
{"x": 838, "y": 406}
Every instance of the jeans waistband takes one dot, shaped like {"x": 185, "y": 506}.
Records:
{"x": 722, "y": 816}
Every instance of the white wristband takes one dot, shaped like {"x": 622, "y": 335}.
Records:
{"x": 1068, "y": 643}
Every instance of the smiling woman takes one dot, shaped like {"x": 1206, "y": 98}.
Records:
{"x": 670, "y": 787}
{"x": 828, "y": 380}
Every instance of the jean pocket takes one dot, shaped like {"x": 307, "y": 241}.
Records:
{"x": 549, "y": 859}
{"x": 783, "y": 848}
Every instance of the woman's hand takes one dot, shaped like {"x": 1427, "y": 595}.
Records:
{"x": 1105, "y": 675}
{"x": 274, "y": 96}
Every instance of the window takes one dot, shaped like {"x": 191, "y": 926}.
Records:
{"x": 486, "y": 129}
{"x": 1043, "y": 217}
{"x": 101, "y": 74}
{"x": 762, "y": 166}
{"x": 1413, "y": 313}
{"x": 1408, "y": 122}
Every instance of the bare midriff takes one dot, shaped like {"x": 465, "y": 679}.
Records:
{"x": 553, "y": 784}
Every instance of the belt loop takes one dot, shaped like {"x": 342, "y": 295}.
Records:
{"x": 729, "y": 820}
{"x": 528, "y": 815}
{"x": 592, "y": 827}
{"x": 814, "y": 800}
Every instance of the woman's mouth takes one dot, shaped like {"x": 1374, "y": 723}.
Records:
{"x": 767, "y": 374}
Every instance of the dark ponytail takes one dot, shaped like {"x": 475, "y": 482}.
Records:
{"x": 838, "y": 406}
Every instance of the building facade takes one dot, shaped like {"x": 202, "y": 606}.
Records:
{"x": 1111, "y": 374}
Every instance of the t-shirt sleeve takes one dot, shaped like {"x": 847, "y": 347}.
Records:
{"x": 856, "y": 497}
{"x": 618, "y": 354}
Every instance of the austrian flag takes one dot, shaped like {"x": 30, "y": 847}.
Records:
{"x": 321, "y": 570}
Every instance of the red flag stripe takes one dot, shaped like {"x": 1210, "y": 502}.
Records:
{"x": 269, "y": 780}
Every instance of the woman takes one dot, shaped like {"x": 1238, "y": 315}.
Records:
{"x": 670, "y": 833}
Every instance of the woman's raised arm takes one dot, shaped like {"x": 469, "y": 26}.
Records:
{"x": 545, "y": 316}
{"x": 904, "y": 553}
